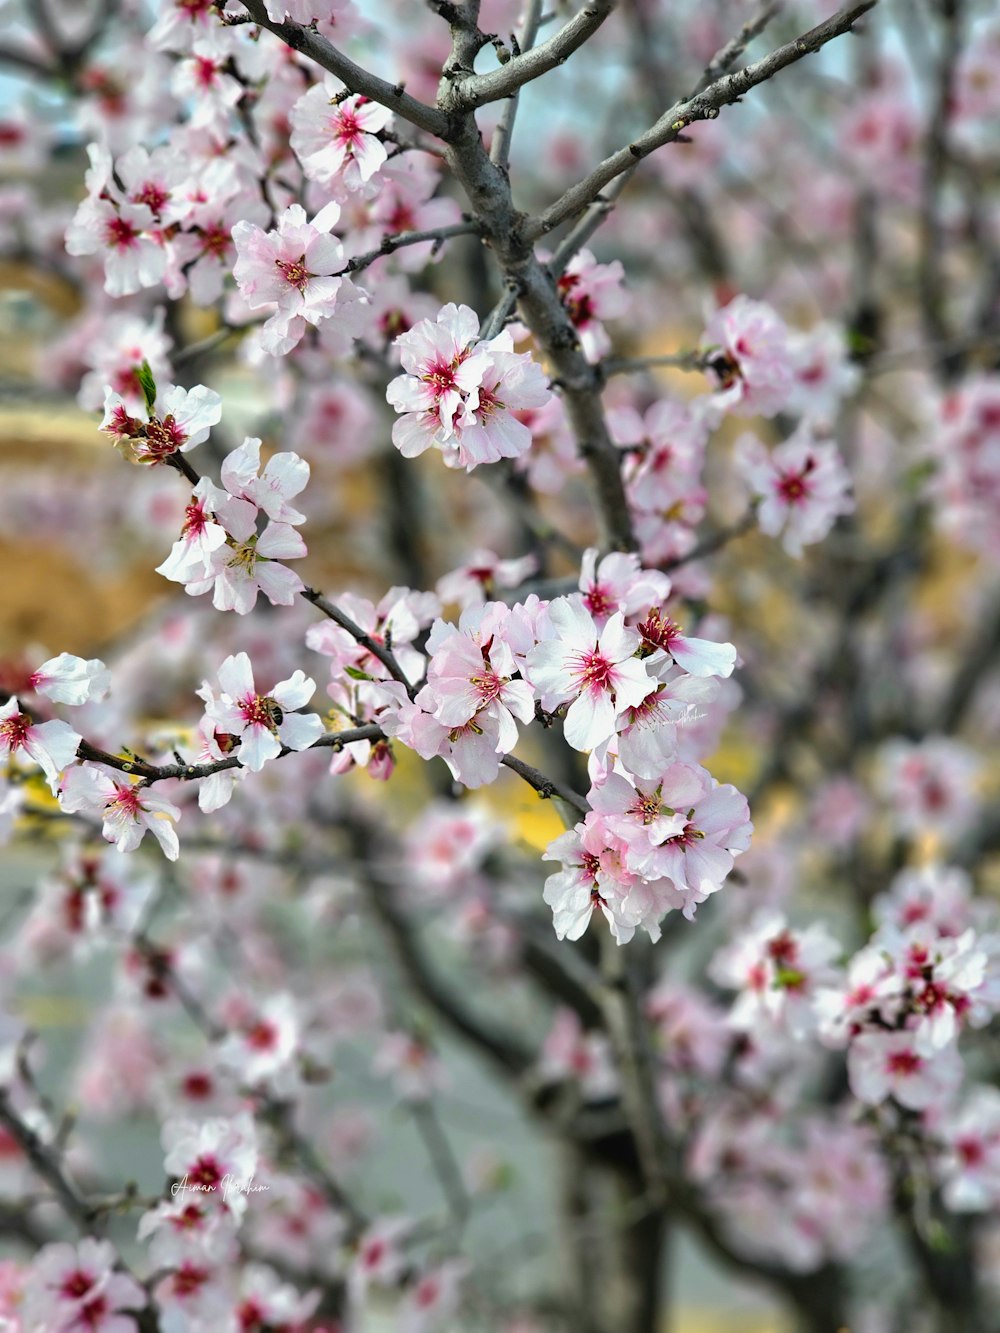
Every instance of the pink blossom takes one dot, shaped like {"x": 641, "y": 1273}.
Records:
{"x": 380, "y": 1257}
{"x": 403, "y": 204}
{"x": 334, "y": 137}
{"x": 666, "y": 453}
{"x": 187, "y": 1226}
{"x": 596, "y": 673}
{"x": 888, "y": 1064}
{"x": 202, "y": 78}
{"x": 591, "y": 293}
{"x": 469, "y": 676}
{"x": 459, "y": 395}
{"x": 210, "y": 1160}
{"x": 71, "y": 680}
{"x": 411, "y": 1064}
{"x": 619, "y": 583}
{"x": 51, "y": 745}
{"x": 335, "y": 422}
{"x": 824, "y": 376}
{"x": 284, "y": 476}
{"x": 75, "y": 1289}
{"x": 750, "y": 358}
{"x": 291, "y": 270}
{"x": 553, "y": 456}
{"x": 264, "y": 724}
{"x": 802, "y": 487}
{"x": 433, "y": 1298}
{"x": 191, "y": 556}
{"x": 195, "y": 1294}
{"x": 948, "y": 982}
{"x": 472, "y": 751}
{"x": 649, "y": 736}
{"x": 692, "y": 1033}
{"x": 120, "y": 232}
{"x": 116, "y": 356}
{"x": 180, "y": 23}
{"x": 868, "y": 995}
{"x": 570, "y": 1052}
{"x": 930, "y": 784}
{"x": 698, "y": 657}
{"x": 128, "y": 810}
{"x": 264, "y": 1301}
{"x": 969, "y": 1164}
{"x": 717, "y": 827}
{"x": 179, "y": 420}
{"x": 249, "y": 562}
{"x": 266, "y": 1044}
{"x": 594, "y": 877}
{"x": 636, "y": 813}
{"x": 481, "y": 576}
{"x": 777, "y": 970}
{"x": 938, "y": 894}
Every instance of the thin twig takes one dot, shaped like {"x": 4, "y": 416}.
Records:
{"x": 703, "y": 106}
{"x": 522, "y": 69}
{"x": 500, "y": 147}
{"x": 356, "y": 79}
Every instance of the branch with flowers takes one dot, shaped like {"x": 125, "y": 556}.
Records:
{"x": 311, "y": 250}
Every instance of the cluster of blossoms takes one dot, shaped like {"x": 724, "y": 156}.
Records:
{"x": 899, "y": 1007}
{"x": 223, "y": 549}
{"x": 964, "y": 445}
{"x": 294, "y": 272}
{"x": 172, "y": 422}
{"x": 461, "y": 395}
{"x": 763, "y": 368}
{"x": 661, "y": 833}
{"x": 271, "y": 186}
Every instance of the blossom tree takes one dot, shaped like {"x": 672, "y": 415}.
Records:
{"x": 708, "y": 298}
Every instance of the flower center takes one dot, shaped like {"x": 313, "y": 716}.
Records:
{"x": 14, "y": 730}
{"x": 263, "y": 1036}
{"x": 260, "y": 710}
{"x": 488, "y": 685}
{"x": 792, "y": 488}
{"x": 195, "y": 520}
{"x": 77, "y": 1284}
{"x": 659, "y": 632}
{"x": 152, "y": 195}
{"x": 189, "y": 1279}
{"x": 126, "y": 801}
{"x": 903, "y": 1063}
{"x": 294, "y": 271}
{"x": 119, "y": 233}
{"x": 647, "y": 807}
{"x": 205, "y": 1172}
{"x": 594, "y": 672}
{"x": 162, "y": 438}
{"x": 244, "y": 556}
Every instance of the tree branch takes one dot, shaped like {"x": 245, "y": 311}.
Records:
{"x": 705, "y": 105}
{"x": 522, "y": 69}
{"x": 358, "y": 80}
{"x": 46, "y": 1165}
{"x": 390, "y": 244}
{"x": 366, "y": 641}
{"x": 500, "y": 147}
{"x": 493, "y": 1042}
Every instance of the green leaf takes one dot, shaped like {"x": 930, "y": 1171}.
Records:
{"x": 148, "y": 385}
